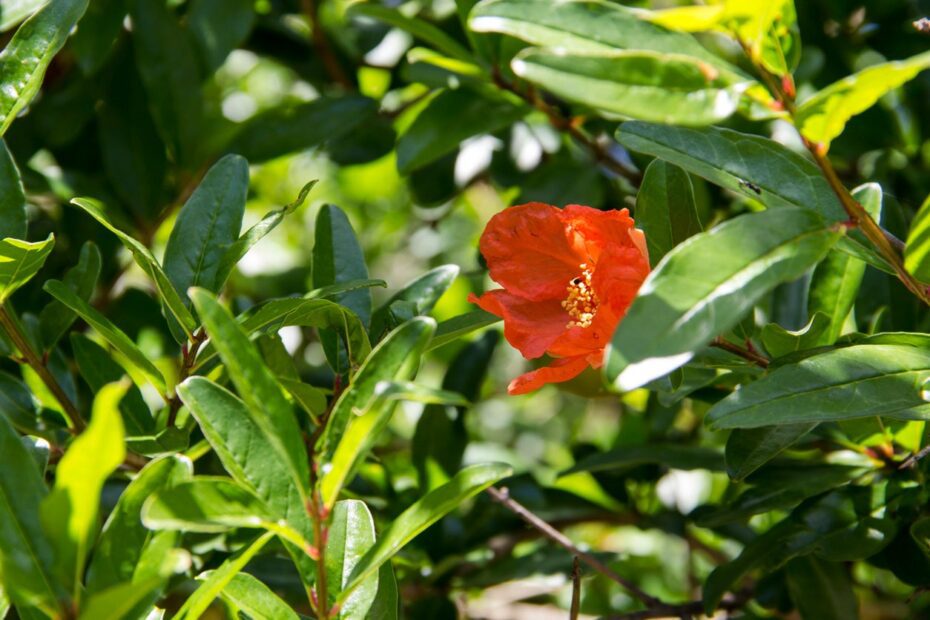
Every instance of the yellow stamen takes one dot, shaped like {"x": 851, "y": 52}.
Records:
{"x": 581, "y": 302}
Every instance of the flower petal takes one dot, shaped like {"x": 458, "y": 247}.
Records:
{"x": 529, "y": 253}
{"x": 601, "y": 229}
{"x": 529, "y": 326}
{"x": 558, "y": 371}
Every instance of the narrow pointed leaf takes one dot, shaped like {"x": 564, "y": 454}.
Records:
{"x": 423, "y": 293}
{"x": 917, "y": 248}
{"x": 452, "y": 329}
{"x": 253, "y": 597}
{"x": 12, "y": 197}
{"x": 56, "y": 318}
{"x": 20, "y": 261}
{"x": 351, "y": 535}
{"x": 204, "y": 504}
{"x": 665, "y": 208}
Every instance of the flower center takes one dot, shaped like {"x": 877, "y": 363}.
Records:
{"x": 581, "y": 303}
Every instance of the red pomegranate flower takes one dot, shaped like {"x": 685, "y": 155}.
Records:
{"x": 569, "y": 276}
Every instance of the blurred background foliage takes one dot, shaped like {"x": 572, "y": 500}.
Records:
{"x": 420, "y": 154}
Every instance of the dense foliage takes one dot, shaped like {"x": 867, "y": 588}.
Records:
{"x": 243, "y": 246}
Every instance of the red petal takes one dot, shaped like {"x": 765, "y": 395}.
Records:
{"x": 529, "y": 326}
{"x": 529, "y": 252}
{"x": 560, "y": 370}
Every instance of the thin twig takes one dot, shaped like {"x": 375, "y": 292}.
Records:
{"x": 38, "y": 365}
{"x": 187, "y": 363}
{"x": 502, "y": 496}
{"x": 746, "y": 354}
{"x": 576, "y": 590}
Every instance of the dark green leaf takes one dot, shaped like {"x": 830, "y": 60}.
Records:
{"x": 749, "y": 449}
{"x": 665, "y": 208}
{"x": 19, "y": 261}
{"x": 423, "y": 293}
{"x": 779, "y": 341}
{"x": 351, "y": 535}
{"x": 419, "y": 28}
{"x": 423, "y": 513}
{"x": 209, "y": 222}
{"x": 461, "y": 325}
{"x": 16, "y": 403}
{"x": 218, "y": 27}
{"x": 848, "y": 383}
{"x": 100, "y": 27}
{"x": 821, "y": 590}
{"x": 669, "y": 455}
{"x": 56, "y": 318}
{"x": 26, "y": 57}
{"x": 12, "y": 197}
{"x": 431, "y": 135}
{"x": 113, "y": 334}
{"x": 386, "y": 605}
{"x": 338, "y": 257}
{"x": 703, "y": 288}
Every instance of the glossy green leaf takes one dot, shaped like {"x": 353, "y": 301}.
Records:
{"x": 351, "y": 535}
{"x": 431, "y": 136}
{"x": 208, "y": 223}
{"x": 705, "y": 286}
{"x": 16, "y": 403}
{"x": 69, "y": 513}
{"x": 26, "y": 57}
{"x": 452, "y": 329}
{"x": 28, "y": 561}
{"x": 853, "y": 382}
{"x": 236, "y": 251}
{"x": 338, "y": 257}
{"x": 289, "y": 129}
{"x": 419, "y": 28}
{"x": 312, "y": 399}
{"x": 214, "y": 582}
{"x": 665, "y": 208}
{"x": 249, "y": 595}
{"x": 56, "y": 318}
{"x": 779, "y": 341}
{"x": 12, "y": 197}
{"x": 204, "y": 504}
{"x": 423, "y": 292}
{"x": 124, "y": 538}
{"x": 821, "y": 590}
{"x": 585, "y": 26}
{"x": 748, "y": 449}
{"x": 143, "y": 257}
{"x": 396, "y": 358}
{"x": 822, "y": 117}
{"x": 218, "y": 27}
{"x": 669, "y": 455}
{"x": 651, "y": 86}
{"x": 247, "y": 455}
{"x": 15, "y": 11}
{"x": 423, "y": 513}
{"x": 256, "y": 386}
{"x": 122, "y": 601}
{"x": 113, "y": 334}
{"x": 20, "y": 261}
{"x": 917, "y": 248}
{"x": 98, "y": 369}
{"x": 170, "y": 76}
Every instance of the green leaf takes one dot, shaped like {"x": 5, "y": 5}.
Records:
{"x": 113, "y": 334}
{"x": 143, "y": 257}
{"x": 779, "y": 341}
{"x": 209, "y": 222}
{"x": 452, "y": 329}
{"x": 204, "y": 504}
{"x": 422, "y": 292}
{"x": 311, "y": 398}
{"x": 917, "y": 248}
{"x": 386, "y": 605}
{"x": 703, "y": 287}
{"x": 419, "y": 28}
{"x": 821, "y": 590}
{"x": 99, "y": 369}
{"x": 431, "y": 136}
{"x": 12, "y": 197}
{"x": 26, "y": 57}
{"x": 853, "y": 382}
{"x": 343, "y": 287}
{"x": 248, "y": 456}
{"x": 585, "y": 27}
{"x": 423, "y": 513}
{"x": 124, "y": 538}
{"x": 396, "y": 358}
{"x": 28, "y": 561}
{"x": 122, "y": 601}
{"x": 748, "y": 449}
{"x": 651, "y": 86}
{"x": 256, "y": 386}
{"x": 214, "y": 582}
{"x": 670, "y": 455}
{"x": 351, "y": 535}
{"x": 218, "y": 27}
{"x": 15, "y": 11}
{"x": 249, "y": 595}
{"x": 56, "y": 318}
{"x": 338, "y": 257}
{"x": 69, "y": 513}
{"x": 16, "y": 403}
{"x": 822, "y": 117}
{"x": 665, "y": 208}
{"x": 20, "y": 261}
{"x": 236, "y": 251}
{"x": 166, "y": 63}
{"x": 100, "y": 28}
{"x": 289, "y": 129}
